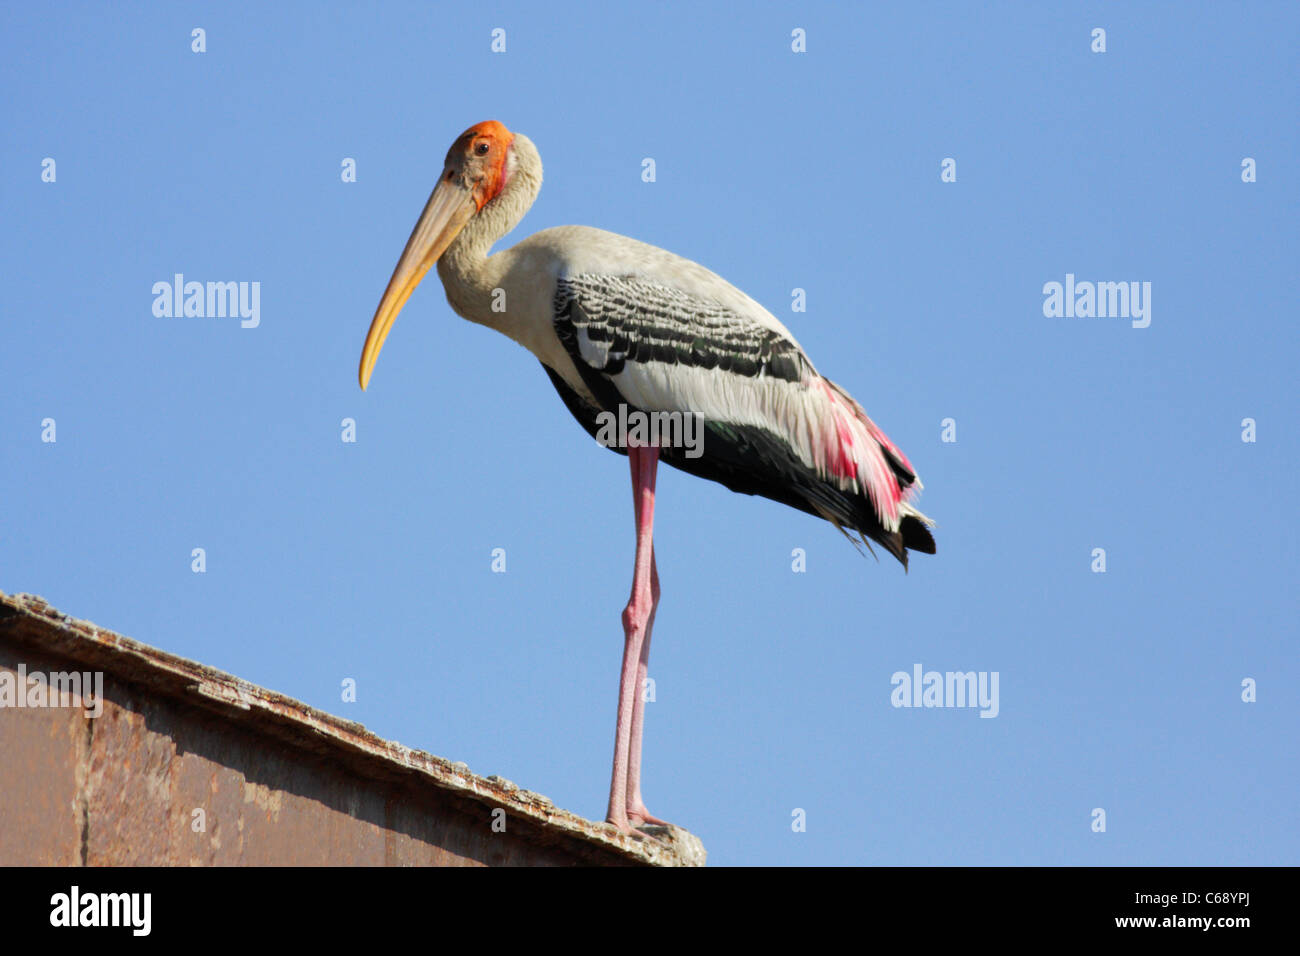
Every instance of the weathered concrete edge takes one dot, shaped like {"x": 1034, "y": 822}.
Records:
{"x": 29, "y": 619}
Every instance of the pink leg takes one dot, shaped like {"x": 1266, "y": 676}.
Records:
{"x": 636, "y": 619}
{"x": 636, "y": 809}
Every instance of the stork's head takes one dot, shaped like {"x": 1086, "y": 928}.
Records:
{"x": 479, "y": 161}
{"x": 478, "y": 166}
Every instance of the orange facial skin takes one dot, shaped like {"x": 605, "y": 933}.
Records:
{"x": 479, "y": 158}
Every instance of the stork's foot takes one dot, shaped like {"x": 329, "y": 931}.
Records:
{"x": 636, "y": 827}
{"x": 642, "y": 817}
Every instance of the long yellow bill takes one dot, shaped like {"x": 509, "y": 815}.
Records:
{"x": 448, "y": 209}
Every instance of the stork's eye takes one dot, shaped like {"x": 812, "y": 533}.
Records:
{"x": 482, "y": 149}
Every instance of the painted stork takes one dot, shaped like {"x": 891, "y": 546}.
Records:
{"x": 616, "y": 322}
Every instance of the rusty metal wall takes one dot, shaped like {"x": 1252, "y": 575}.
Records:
{"x": 181, "y": 769}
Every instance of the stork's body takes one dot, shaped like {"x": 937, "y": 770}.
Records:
{"x": 618, "y": 322}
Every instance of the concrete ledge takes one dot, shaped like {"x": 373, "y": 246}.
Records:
{"x": 187, "y": 765}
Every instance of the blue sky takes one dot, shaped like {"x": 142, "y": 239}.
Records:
{"x": 779, "y": 170}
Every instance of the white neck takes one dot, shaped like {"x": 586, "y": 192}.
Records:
{"x": 467, "y": 273}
